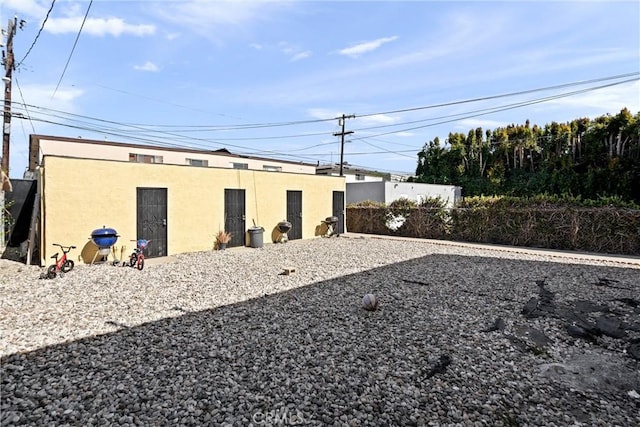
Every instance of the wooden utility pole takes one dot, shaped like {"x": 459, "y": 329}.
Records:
{"x": 342, "y": 134}
{"x": 8, "y": 61}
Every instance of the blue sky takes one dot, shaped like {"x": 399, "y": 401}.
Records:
{"x": 270, "y": 78}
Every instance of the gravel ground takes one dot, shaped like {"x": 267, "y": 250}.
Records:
{"x": 462, "y": 336}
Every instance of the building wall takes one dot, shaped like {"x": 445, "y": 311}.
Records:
{"x": 364, "y": 178}
{"x": 419, "y": 192}
{"x": 114, "y": 151}
{"x": 358, "y": 192}
{"x": 351, "y": 177}
{"x": 388, "y": 191}
{"x": 81, "y": 195}
{"x": 353, "y": 174}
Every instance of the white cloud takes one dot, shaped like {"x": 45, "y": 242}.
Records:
{"x": 41, "y": 95}
{"x": 97, "y": 26}
{"x": 147, "y": 66}
{"x": 219, "y": 19}
{"x": 286, "y": 48}
{"x": 606, "y": 100}
{"x": 322, "y": 113}
{"x": 218, "y": 12}
{"x": 359, "y": 49}
{"x": 405, "y": 134}
{"x": 377, "y": 119}
{"x": 66, "y": 95}
{"x": 256, "y": 46}
{"x": 39, "y": 117}
{"x": 301, "y": 55}
{"x": 294, "y": 52}
{"x": 23, "y": 7}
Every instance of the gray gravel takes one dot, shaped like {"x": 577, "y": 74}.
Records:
{"x": 224, "y": 338}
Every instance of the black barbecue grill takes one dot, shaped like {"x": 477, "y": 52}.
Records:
{"x": 283, "y": 228}
{"x": 331, "y": 223}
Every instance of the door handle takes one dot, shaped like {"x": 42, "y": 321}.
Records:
{"x": 164, "y": 222}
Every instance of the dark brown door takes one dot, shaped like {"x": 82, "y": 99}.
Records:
{"x": 294, "y": 214}
{"x": 152, "y": 220}
{"x": 338, "y": 210}
{"x": 234, "y": 216}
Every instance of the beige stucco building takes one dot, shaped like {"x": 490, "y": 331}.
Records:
{"x": 159, "y": 194}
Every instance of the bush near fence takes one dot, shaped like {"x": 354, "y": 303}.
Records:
{"x": 559, "y": 225}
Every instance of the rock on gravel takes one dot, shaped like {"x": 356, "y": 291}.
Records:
{"x": 223, "y": 338}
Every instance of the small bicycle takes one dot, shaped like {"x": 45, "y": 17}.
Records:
{"x": 137, "y": 257}
{"x": 62, "y": 265}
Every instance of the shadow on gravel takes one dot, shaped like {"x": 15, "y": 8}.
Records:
{"x": 455, "y": 338}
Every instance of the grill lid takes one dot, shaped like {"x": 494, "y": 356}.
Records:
{"x": 104, "y": 232}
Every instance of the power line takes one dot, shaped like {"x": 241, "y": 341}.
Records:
{"x": 471, "y": 114}
{"x": 457, "y": 116}
{"x": 37, "y": 35}
{"x": 388, "y": 151}
{"x": 75, "y": 43}
{"x": 160, "y": 142}
{"x": 510, "y": 107}
{"x": 22, "y": 97}
{"x": 154, "y": 135}
{"x": 504, "y": 95}
{"x": 202, "y": 128}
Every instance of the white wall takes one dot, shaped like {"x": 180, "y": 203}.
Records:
{"x": 388, "y": 191}
{"x": 349, "y": 175}
{"x": 418, "y": 192}
{"x": 367, "y": 178}
{"x": 360, "y": 191}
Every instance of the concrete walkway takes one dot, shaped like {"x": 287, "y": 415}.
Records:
{"x": 623, "y": 259}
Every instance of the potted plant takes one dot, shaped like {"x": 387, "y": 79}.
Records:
{"x": 222, "y": 238}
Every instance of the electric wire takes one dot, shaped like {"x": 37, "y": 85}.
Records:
{"x": 159, "y": 134}
{"x": 75, "y": 43}
{"x": 478, "y": 113}
{"x": 158, "y": 142}
{"x": 22, "y": 97}
{"x": 252, "y": 151}
{"x": 457, "y": 115}
{"x": 218, "y": 140}
{"x": 488, "y": 98}
{"x": 495, "y": 110}
{"x": 388, "y": 151}
{"x": 202, "y": 128}
{"x": 53, "y": 2}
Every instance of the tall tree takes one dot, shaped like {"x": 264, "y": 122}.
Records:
{"x": 586, "y": 157}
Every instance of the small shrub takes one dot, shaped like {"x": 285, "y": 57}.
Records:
{"x": 366, "y": 204}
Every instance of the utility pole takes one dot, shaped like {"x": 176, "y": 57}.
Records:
{"x": 8, "y": 60}
{"x": 342, "y": 134}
